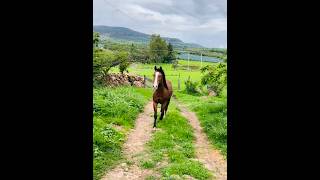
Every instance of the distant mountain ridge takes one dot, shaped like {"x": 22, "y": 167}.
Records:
{"x": 126, "y": 34}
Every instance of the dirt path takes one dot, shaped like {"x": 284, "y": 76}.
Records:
{"x": 134, "y": 149}
{"x": 205, "y": 153}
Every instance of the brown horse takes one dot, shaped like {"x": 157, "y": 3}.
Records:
{"x": 162, "y": 93}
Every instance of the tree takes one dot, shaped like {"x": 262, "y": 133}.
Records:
{"x": 175, "y": 64}
{"x": 225, "y": 58}
{"x": 122, "y": 57}
{"x": 170, "y": 56}
{"x": 133, "y": 53}
{"x": 96, "y": 39}
{"x": 158, "y": 49}
{"x": 102, "y": 62}
{"x": 143, "y": 56}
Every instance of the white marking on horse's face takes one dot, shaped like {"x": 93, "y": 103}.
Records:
{"x": 155, "y": 83}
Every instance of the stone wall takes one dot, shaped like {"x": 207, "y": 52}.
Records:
{"x": 114, "y": 79}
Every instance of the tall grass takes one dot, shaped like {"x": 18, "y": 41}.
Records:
{"x": 114, "y": 112}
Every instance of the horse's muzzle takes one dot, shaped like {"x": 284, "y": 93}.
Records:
{"x": 155, "y": 87}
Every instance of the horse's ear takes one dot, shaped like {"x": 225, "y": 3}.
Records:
{"x": 160, "y": 68}
{"x": 155, "y": 68}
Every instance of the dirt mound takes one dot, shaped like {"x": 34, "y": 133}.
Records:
{"x": 124, "y": 80}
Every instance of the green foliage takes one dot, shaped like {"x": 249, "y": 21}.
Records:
{"x": 158, "y": 49}
{"x": 113, "y": 107}
{"x": 96, "y": 39}
{"x": 102, "y": 62}
{"x": 175, "y": 64}
{"x": 225, "y": 59}
{"x": 215, "y": 77}
{"x": 191, "y": 87}
{"x": 122, "y": 58}
{"x": 148, "y": 164}
{"x": 137, "y": 52}
{"x": 123, "y": 103}
{"x": 133, "y": 53}
{"x": 193, "y": 168}
{"x": 143, "y": 56}
{"x": 170, "y": 56}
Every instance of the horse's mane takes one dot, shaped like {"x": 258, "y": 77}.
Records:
{"x": 164, "y": 77}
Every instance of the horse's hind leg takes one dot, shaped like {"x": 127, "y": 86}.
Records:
{"x": 155, "y": 114}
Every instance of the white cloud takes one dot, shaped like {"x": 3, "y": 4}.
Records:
{"x": 202, "y": 21}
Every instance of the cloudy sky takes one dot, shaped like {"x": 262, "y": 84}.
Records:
{"x": 194, "y": 21}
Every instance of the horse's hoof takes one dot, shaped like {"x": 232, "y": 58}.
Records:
{"x": 154, "y": 128}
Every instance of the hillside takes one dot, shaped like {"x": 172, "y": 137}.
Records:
{"x": 126, "y": 34}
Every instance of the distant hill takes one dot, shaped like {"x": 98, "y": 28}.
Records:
{"x": 126, "y": 34}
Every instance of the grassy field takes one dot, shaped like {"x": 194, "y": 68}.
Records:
{"x": 114, "y": 113}
{"x": 212, "y": 113}
{"x": 171, "y": 74}
{"x": 173, "y": 143}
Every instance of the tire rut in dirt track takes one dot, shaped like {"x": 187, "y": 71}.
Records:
{"x": 205, "y": 153}
{"x": 134, "y": 149}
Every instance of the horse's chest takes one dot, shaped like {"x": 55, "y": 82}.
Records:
{"x": 158, "y": 98}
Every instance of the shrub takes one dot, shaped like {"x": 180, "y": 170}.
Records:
{"x": 102, "y": 61}
{"x": 191, "y": 87}
{"x": 216, "y": 77}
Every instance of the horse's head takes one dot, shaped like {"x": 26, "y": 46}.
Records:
{"x": 159, "y": 78}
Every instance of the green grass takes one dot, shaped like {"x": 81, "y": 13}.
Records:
{"x": 114, "y": 113}
{"x": 173, "y": 142}
{"x": 150, "y": 178}
{"x": 171, "y": 74}
{"x": 148, "y": 164}
{"x": 212, "y": 113}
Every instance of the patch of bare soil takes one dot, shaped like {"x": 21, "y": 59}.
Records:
{"x": 134, "y": 149}
{"x": 205, "y": 153}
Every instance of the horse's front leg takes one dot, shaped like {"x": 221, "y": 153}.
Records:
{"x": 155, "y": 114}
{"x": 162, "y": 111}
